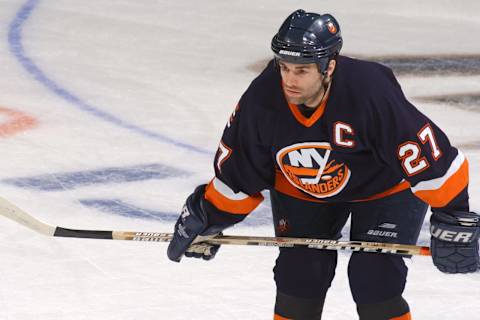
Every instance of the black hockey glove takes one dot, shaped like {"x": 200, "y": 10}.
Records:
{"x": 192, "y": 229}
{"x": 454, "y": 241}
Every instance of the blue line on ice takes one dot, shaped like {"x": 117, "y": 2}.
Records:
{"x": 124, "y": 209}
{"x": 72, "y": 180}
{"x": 17, "y": 49}
{"x": 260, "y": 217}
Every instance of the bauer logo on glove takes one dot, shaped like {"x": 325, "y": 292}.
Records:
{"x": 451, "y": 236}
{"x": 455, "y": 241}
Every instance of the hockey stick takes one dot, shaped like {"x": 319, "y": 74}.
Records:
{"x": 16, "y": 214}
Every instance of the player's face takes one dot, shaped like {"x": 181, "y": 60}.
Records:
{"x": 302, "y": 83}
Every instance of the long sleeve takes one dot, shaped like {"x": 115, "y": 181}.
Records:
{"x": 243, "y": 165}
{"x": 419, "y": 150}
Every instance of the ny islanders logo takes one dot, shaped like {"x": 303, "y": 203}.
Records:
{"x": 308, "y": 167}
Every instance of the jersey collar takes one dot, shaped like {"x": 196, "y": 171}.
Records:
{"x": 310, "y": 121}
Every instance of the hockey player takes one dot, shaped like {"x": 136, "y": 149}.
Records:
{"x": 331, "y": 137}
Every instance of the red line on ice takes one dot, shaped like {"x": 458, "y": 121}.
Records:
{"x": 16, "y": 122}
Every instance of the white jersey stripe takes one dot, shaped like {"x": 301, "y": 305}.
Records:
{"x": 228, "y": 193}
{"x": 437, "y": 183}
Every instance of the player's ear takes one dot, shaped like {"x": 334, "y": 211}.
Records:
{"x": 331, "y": 67}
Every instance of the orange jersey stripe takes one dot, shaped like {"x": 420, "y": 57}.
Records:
{"x": 282, "y": 185}
{"x": 223, "y": 198}
{"x": 448, "y": 190}
{"x": 406, "y": 316}
{"x": 404, "y": 185}
{"x": 279, "y": 317}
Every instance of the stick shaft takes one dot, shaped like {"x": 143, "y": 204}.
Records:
{"x": 14, "y": 213}
{"x": 327, "y": 244}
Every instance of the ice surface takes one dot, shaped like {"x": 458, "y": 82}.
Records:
{"x": 129, "y": 100}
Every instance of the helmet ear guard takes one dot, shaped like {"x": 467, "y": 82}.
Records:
{"x": 307, "y": 38}
{"x": 323, "y": 63}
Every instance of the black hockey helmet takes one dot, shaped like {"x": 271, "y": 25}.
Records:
{"x": 307, "y": 37}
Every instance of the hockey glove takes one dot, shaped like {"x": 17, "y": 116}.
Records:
{"x": 454, "y": 241}
{"x": 192, "y": 230}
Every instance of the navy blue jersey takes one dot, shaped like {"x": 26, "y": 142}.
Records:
{"x": 366, "y": 141}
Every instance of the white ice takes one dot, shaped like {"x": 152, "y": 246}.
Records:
{"x": 176, "y": 69}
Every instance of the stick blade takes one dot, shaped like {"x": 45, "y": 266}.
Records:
{"x": 11, "y": 211}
